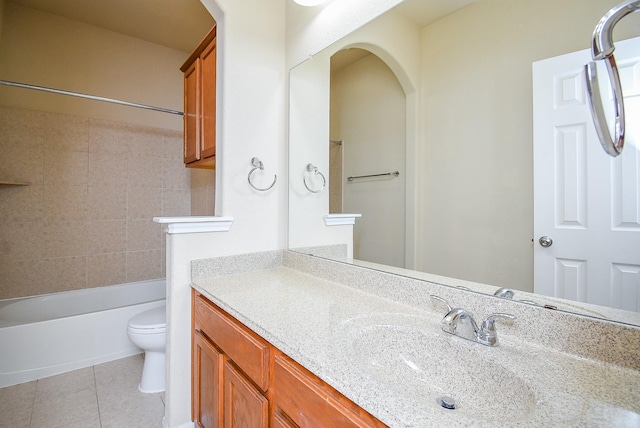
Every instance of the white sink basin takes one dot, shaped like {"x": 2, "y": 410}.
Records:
{"x": 412, "y": 356}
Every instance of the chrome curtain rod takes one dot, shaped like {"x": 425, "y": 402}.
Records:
{"x": 90, "y": 97}
{"x": 394, "y": 173}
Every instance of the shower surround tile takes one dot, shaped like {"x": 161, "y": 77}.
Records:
{"x": 96, "y": 185}
{"x": 107, "y": 269}
{"x": 107, "y": 236}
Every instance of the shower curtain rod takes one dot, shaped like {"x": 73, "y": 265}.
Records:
{"x": 90, "y": 97}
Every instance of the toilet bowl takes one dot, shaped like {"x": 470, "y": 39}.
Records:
{"x": 147, "y": 330}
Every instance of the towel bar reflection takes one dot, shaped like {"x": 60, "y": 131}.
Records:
{"x": 257, "y": 164}
{"x": 394, "y": 173}
{"x": 315, "y": 171}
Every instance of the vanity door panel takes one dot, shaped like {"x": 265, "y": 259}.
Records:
{"x": 244, "y": 405}
{"x": 207, "y": 383}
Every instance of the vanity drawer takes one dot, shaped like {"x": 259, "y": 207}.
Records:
{"x": 309, "y": 402}
{"x": 243, "y": 347}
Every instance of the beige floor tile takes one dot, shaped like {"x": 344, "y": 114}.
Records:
{"x": 65, "y": 383}
{"x": 66, "y": 409}
{"x": 15, "y": 405}
{"x": 103, "y": 396}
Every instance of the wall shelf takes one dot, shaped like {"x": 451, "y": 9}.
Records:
{"x": 14, "y": 183}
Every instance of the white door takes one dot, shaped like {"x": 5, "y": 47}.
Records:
{"x": 586, "y": 202}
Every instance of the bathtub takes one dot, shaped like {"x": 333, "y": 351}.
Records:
{"x": 50, "y": 334}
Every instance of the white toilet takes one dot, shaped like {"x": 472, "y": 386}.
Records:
{"x": 148, "y": 331}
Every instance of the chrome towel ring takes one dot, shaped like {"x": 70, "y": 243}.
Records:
{"x": 257, "y": 164}
{"x": 314, "y": 169}
{"x": 602, "y": 49}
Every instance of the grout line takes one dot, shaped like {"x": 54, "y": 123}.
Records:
{"x": 95, "y": 382}
{"x": 33, "y": 403}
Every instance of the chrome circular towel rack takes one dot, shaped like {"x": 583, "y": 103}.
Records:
{"x": 257, "y": 164}
{"x": 315, "y": 171}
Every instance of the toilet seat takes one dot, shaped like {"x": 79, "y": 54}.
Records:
{"x": 153, "y": 319}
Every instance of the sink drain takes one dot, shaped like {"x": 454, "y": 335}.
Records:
{"x": 448, "y": 402}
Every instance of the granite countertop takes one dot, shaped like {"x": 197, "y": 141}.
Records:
{"x": 393, "y": 360}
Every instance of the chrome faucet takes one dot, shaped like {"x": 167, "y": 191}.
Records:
{"x": 503, "y": 292}
{"x": 460, "y": 322}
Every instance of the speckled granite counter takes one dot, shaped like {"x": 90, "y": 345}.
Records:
{"x": 382, "y": 347}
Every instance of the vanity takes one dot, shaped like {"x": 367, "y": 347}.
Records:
{"x": 290, "y": 339}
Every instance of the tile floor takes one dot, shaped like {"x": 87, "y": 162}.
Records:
{"x": 102, "y": 396}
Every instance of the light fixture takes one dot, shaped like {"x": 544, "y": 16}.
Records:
{"x": 309, "y": 2}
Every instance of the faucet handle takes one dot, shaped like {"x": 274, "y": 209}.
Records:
{"x": 488, "y": 334}
{"x": 441, "y": 300}
{"x": 489, "y": 323}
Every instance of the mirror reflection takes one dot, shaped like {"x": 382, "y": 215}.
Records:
{"x": 451, "y": 100}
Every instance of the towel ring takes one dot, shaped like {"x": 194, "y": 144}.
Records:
{"x": 613, "y": 146}
{"x": 257, "y": 164}
{"x": 314, "y": 169}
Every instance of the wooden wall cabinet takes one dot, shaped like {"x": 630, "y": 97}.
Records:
{"x": 200, "y": 104}
{"x": 241, "y": 380}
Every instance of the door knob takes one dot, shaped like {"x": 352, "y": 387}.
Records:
{"x": 545, "y": 241}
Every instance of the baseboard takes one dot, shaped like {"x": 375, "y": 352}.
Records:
{"x": 186, "y": 425}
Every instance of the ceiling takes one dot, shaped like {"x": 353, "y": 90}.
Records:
{"x": 177, "y": 24}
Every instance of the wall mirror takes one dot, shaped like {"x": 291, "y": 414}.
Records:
{"x": 444, "y": 93}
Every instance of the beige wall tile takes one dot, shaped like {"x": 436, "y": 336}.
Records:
{"x": 144, "y": 172}
{"x": 107, "y": 269}
{"x": 21, "y": 162}
{"x": 20, "y": 278}
{"x": 22, "y": 127}
{"x": 65, "y": 238}
{"x": 109, "y": 137}
{"x": 144, "y": 202}
{"x": 176, "y": 176}
{"x": 173, "y": 145}
{"x": 67, "y": 133}
{"x": 203, "y": 192}
{"x": 106, "y": 236}
{"x": 107, "y": 170}
{"x": 147, "y": 142}
{"x": 65, "y": 168}
{"x": 86, "y": 219}
{"x": 143, "y": 235}
{"x": 64, "y": 274}
{"x": 176, "y": 202}
{"x": 107, "y": 203}
{"x": 143, "y": 265}
{"x": 21, "y": 241}
{"x": 63, "y": 203}
{"x": 21, "y": 204}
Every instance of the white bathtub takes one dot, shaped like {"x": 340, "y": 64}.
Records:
{"x": 50, "y": 334}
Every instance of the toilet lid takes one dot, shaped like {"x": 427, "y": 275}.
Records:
{"x": 153, "y": 318}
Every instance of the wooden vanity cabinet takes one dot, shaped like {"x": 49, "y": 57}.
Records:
{"x": 200, "y": 104}
{"x": 241, "y": 380}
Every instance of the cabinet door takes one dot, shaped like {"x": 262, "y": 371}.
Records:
{"x": 244, "y": 405}
{"x": 192, "y": 106}
{"x": 208, "y": 94}
{"x": 207, "y": 383}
